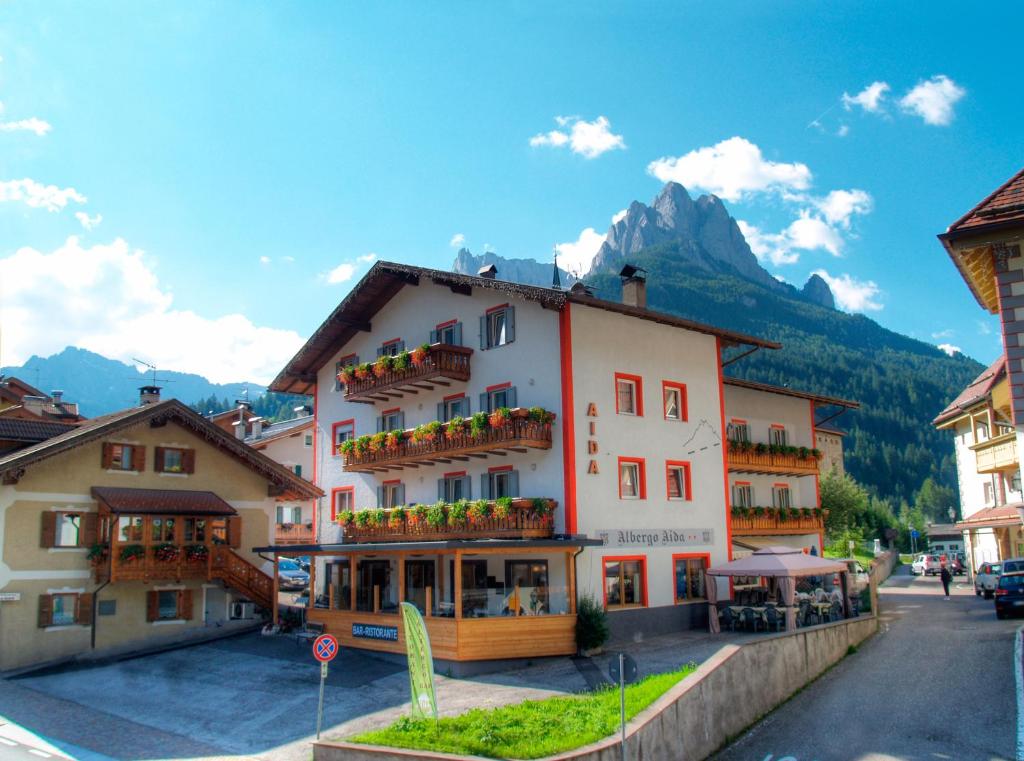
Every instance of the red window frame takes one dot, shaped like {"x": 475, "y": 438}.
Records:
{"x": 497, "y": 308}
{"x": 334, "y": 433}
{"x": 641, "y": 476}
{"x": 689, "y": 556}
{"x": 687, "y": 495}
{"x": 742, "y": 483}
{"x": 501, "y": 469}
{"x": 638, "y": 387}
{"x": 684, "y": 407}
{"x": 334, "y": 499}
{"x": 782, "y": 485}
{"x": 618, "y": 559}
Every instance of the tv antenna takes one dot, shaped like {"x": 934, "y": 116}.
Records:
{"x": 151, "y": 368}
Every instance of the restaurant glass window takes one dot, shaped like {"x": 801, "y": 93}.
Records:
{"x": 63, "y": 609}
{"x": 690, "y": 578}
{"x": 625, "y": 581}
{"x": 742, "y": 495}
{"x": 340, "y": 584}
{"x": 163, "y": 529}
{"x": 739, "y": 431}
{"x": 195, "y": 530}
{"x": 69, "y": 530}
{"x": 379, "y": 575}
{"x": 129, "y": 528}
{"x": 420, "y": 575}
{"x": 777, "y": 436}
{"x": 528, "y": 579}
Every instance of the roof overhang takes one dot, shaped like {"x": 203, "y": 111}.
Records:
{"x": 782, "y": 391}
{"x": 1003, "y": 516}
{"x": 120, "y": 500}
{"x": 466, "y": 545}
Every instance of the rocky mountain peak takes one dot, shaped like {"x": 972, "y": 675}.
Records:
{"x": 816, "y": 291}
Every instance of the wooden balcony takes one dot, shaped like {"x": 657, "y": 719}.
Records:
{"x": 996, "y": 454}
{"x": 771, "y": 523}
{"x": 518, "y": 434}
{"x": 443, "y": 364}
{"x": 783, "y": 464}
{"x": 293, "y": 533}
{"x": 147, "y": 567}
{"x": 521, "y": 523}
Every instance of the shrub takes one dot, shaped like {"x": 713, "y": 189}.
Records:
{"x": 401, "y": 361}
{"x": 393, "y": 439}
{"x": 591, "y": 624}
{"x": 455, "y": 426}
{"x": 132, "y": 551}
{"x": 437, "y": 514}
{"x": 345, "y": 517}
{"x": 540, "y": 506}
{"x": 197, "y": 552}
{"x": 346, "y": 447}
{"x": 541, "y": 415}
{"x": 478, "y": 423}
{"x": 378, "y": 517}
{"x": 503, "y": 507}
{"x": 479, "y": 510}
{"x": 362, "y": 518}
{"x": 384, "y": 363}
{"x": 419, "y": 512}
{"x": 500, "y": 417}
{"x": 458, "y": 512}
{"x": 419, "y": 354}
{"x": 396, "y": 517}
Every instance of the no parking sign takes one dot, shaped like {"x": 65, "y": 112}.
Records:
{"x": 325, "y": 648}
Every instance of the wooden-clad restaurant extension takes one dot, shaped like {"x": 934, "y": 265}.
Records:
{"x": 512, "y": 598}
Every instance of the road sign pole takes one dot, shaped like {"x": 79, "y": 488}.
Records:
{"x": 622, "y": 704}
{"x": 320, "y": 707}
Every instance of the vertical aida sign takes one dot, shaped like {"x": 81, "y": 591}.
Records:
{"x": 421, "y": 663}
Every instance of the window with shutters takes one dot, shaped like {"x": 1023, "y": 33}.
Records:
{"x": 349, "y": 360}
{"x": 498, "y": 396}
{"x": 169, "y": 605}
{"x": 498, "y": 326}
{"x": 677, "y": 476}
{"x": 632, "y": 478}
{"x": 738, "y": 430}
{"x": 742, "y": 495}
{"x": 391, "y": 494}
{"x": 391, "y": 420}
{"x": 447, "y": 333}
{"x": 391, "y": 348}
{"x": 174, "y": 460}
{"x": 777, "y": 435}
{"x": 782, "y": 496}
{"x": 454, "y": 486}
{"x": 341, "y": 432}
{"x": 689, "y": 577}
{"x": 64, "y": 609}
{"x": 499, "y": 482}
{"x": 123, "y": 456}
{"x": 342, "y": 499}
{"x": 674, "y": 400}
{"x": 453, "y": 406}
{"x": 629, "y": 394}
{"x": 69, "y": 530}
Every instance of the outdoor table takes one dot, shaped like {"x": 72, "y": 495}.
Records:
{"x": 822, "y": 608}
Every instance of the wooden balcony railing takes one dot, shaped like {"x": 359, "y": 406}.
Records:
{"x": 774, "y": 521}
{"x": 783, "y": 463}
{"x": 443, "y": 363}
{"x": 238, "y": 573}
{"x": 996, "y": 454}
{"x": 517, "y": 434}
{"x": 146, "y": 567}
{"x": 293, "y": 533}
{"x": 522, "y": 522}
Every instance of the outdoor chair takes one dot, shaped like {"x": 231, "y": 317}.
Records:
{"x": 773, "y": 618}
{"x": 836, "y": 611}
{"x": 805, "y": 613}
{"x": 751, "y": 619}
{"x": 728, "y": 618}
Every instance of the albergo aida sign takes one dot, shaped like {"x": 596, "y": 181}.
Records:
{"x": 656, "y": 537}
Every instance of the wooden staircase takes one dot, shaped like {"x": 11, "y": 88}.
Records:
{"x": 242, "y": 576}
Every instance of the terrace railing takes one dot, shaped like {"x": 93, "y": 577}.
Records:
{"x": 442, "y": 364}
{"x": 522, "y": 522}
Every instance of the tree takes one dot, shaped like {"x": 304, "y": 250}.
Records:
{"x": 934, "y": 501}
{"x": 845, "y": 500}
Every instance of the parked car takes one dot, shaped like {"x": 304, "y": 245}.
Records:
{"x": 930, "y": 563}
{"x": 290, "y": 575}
{"x": 1010, "y": 594}
{"x": 985, "y": 579}
{"x": 917, "y": 567}
{"x": 1013, "y": 565}
{"x": 956, "y": 564}
{"x": 303, "y": 561}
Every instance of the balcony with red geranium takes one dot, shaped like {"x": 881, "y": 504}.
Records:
{"x": 409, "y": 372}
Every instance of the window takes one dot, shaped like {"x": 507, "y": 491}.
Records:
{"x": 288, "y": 514}
{"x": 500, "y": 395}
{"x": 129, "y": 528}
{"x": 349, "y": 360}
{"x": 453, "y": 406}
{"x": 632, "y": 479}
{"x": 782, "y": 497}
{"x": 777, "y": 436}
{"x": 454, "y": 486}
{"x": 1015, "y": 482}
{"x": 174, "y": 460}
{"x": 981, "y": 432}
{"x": 689, "y": 570}
{"x": 307, "y": 441}
{"x": 169, "y": 605}
{"x": 341, "y": 432}
{"x": 674, "y": 399}
{"x": 498, "y": 327}
{"x": 69, "y": 530}
{"x": 499, "y": 482}
{"x": 391, "y": 494}
{"x": 64, "y": 610}
{"x": 195, "y": 530}
{"x": 988, "y": 492}
{"x": 342, "y": 500}
{"x": 391, "y": 420}
{"x": 625, "y": 582}
{"x": 738, "y": 430}
{"x": 447, "y": 333}
{"x": 391, "y": 348}
{"x": 163, "y": 529}
{"x": 629, "y": 396}
{"x": 123, "y": 457}
{"x": 677, "y": 476}
{"x": 530, "y": 579}
{"x": 298, "y": 470}
{"x": 742, "y": 495}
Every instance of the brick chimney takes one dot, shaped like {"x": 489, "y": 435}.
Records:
{"x": 148, "y": 395}
{"x": 634, "y": 286}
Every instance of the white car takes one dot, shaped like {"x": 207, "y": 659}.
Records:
{"x": 986, "y": 579}
{"x": 919, "y": 566}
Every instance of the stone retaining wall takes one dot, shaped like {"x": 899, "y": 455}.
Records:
{"x": 725, "y": 695}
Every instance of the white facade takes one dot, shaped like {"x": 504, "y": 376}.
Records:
{"x": 294, "y": 450}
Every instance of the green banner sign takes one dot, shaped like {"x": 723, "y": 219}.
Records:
{"x": 421, "y": 663}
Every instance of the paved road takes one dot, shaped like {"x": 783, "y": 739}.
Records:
{"x": 937, "y": 682}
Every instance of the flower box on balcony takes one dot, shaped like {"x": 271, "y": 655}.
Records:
{"x": 746, "y": 457}
{"x": 752, "y": 521}
{"x": 408, "y": 372}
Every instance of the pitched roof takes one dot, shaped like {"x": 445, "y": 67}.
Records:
{"x": 161, "y": 501}
{"x": 386, "y": 279}
{"x": 19, "y": 429}
{"x": 1005, "y": 205}
{"x": 279, "y": 430}
{"x": 976, "y": 392}
{"x": 991, "y": 517}
{"x": 783, "y": 391}
{"x": 12, "y": 466}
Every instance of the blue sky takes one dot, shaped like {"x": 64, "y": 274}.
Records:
{"x": 242, "y": 156}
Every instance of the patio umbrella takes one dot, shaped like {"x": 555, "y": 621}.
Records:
{"x": 784, "y": 563}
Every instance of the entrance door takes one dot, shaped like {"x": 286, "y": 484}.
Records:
{"x": 419, "y": 576}
{"x": 372, "y": 573}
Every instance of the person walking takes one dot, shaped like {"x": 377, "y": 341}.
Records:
{"x": 946, "y": 577}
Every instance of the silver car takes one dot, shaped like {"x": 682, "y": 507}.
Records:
{"x": 290, "y": 575}
{"x": 986, "y": 579}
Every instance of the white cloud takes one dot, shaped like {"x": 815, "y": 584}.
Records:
{"x": 86, "y": 221}
{"x": 768, "y": 247}
{"x": 575, "y": 257}
{"x": 851, "y": 294}
{"x": 288, "y": 259}
{"x": 839, "y": 205}
{"x": 947, "y": 333}
{"x": 367, "y": 258}
{"x": 588, "y": 139}
{"x": 732, "y": 169}
{"x": 32, "y": 124}
{"x": 264, "y": 260}
{"x": 37, "y": 195}
{"x": 108, "y": 299}
{"x": 870, "y": 98}
{"x": 950, "y": 349}
{"x": 843, "y": 130}
{"x": 347, "y": 270}
{"x": 618, "y": 215}
{"x": 458, "y": 240}
{"x": 805, "y": 233}
{"x": 933, "y": 99}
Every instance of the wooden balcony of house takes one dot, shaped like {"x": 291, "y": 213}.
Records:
{"x": 997, "y": 454}
{"x": 784, "y": 461}
{"x": 441, "y": 365}
{"x": 425, "y": 446}
{"x": 770, "y": 521}
{"x": 525, "y": 519}
{"x": 293, "y": 533}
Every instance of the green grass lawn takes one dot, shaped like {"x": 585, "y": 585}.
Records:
{"x": 865, "y": 558}
{"x": 531, "y": 729}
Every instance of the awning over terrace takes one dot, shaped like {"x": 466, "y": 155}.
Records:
{"x": 784, "y": 563}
